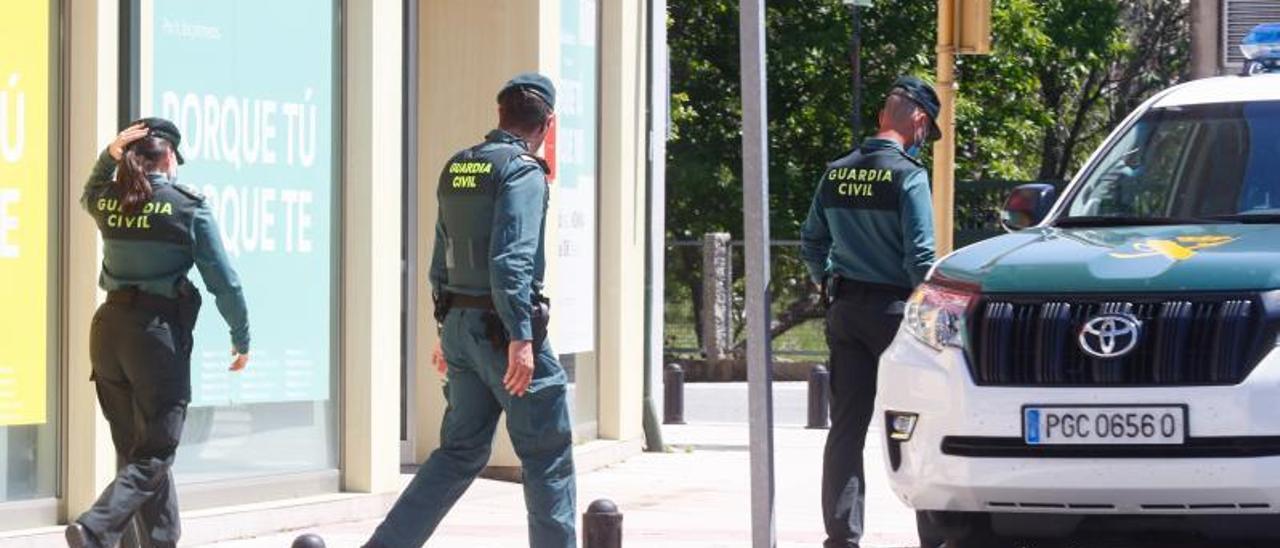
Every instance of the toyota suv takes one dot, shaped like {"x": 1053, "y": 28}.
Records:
{"x": 1114, "y": 362}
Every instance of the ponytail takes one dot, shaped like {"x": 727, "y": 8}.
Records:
{"x": 140, "y": 158}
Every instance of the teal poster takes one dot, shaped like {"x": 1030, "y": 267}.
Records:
{"x": 251, "y": 86}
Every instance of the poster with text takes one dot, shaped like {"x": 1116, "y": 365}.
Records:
{"x": 250, "y": 84}
{"x": 575, "y": 187}
{"x": 24, "y": 212}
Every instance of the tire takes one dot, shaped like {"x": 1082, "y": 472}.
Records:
{"x": 958, "y": 530}
{"x": 932, "y": 535}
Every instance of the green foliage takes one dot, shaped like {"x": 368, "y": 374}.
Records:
{"x": 1061, "y": 74}
{"x": 810, "y": 101}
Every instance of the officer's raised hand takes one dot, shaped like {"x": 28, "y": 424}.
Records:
{"x": 519, "y": 367}
{"x": 124, "y": 138}
{"x": 238, "y": 360}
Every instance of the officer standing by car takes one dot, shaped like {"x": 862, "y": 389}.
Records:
{"x": 868, "y": 240}
{"x": 486, "y": 272}
{"x": 154, "y": 230}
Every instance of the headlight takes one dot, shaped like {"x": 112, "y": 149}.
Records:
{"x": 935, "y": 315}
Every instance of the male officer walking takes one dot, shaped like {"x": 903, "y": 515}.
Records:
{"x": 868, "y": 241}
{"x": 487, "y": 271}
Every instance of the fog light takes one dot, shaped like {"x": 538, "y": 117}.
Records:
{"x": 901, "y": 425}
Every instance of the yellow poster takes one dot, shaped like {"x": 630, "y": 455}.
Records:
{"x": 24, "y": 210}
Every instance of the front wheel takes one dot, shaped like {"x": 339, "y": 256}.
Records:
{"x": 958, "y": 530}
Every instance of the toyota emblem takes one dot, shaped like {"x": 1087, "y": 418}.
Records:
{"x": 1110, "y": 336}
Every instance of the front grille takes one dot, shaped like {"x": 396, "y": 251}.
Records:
{"x": 1205, "y": 340}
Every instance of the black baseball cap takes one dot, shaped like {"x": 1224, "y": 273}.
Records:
{"x": 540, "y": 85}
{"x": 164, "y": 129}
{"x": 924, "y": 96}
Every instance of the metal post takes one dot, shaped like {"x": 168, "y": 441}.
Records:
{"x": 602, "y": 525}
{"x": 755, "y": 212}
{"x": 819, "y": 398}
{"x": 308, "y": 541}
{"x": 944, "y": 150}
{"x": 673, "y": 395}
{"x": 855, "y": 64}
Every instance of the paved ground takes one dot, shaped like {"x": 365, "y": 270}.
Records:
{"x": 697, "y": 494}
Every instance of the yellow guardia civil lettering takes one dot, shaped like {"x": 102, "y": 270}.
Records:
{"x": 24, "y": 211}
{"x": 470, "y": 168}
{"x": 860, "y": 175}
{"x": 1180, "y": 248}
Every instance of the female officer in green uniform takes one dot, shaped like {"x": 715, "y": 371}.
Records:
{"x": 153, "y": 229}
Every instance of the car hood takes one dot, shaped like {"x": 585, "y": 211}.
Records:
{"x": 1218, "y": 257}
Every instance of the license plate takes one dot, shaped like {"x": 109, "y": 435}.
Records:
{"x": 1101, "y": 425}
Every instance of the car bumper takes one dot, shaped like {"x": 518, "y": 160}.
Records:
{"x": 1005, "y": 476}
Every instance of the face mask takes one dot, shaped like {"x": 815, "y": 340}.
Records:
{"x": 920, "y": 136}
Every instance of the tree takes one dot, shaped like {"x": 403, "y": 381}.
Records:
{"x": 1061, "y": 74}
{"x": 809, "y": 101}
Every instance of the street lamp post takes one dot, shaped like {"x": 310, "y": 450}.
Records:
{"x": 855, "y": 64}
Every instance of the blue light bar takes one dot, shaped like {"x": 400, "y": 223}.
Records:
{"x": 1262, "y": 43}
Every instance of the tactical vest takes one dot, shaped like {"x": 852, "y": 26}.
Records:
{"x": 868, "y": 180}
{"x": 167, "y": 218}
{"x": 467, "y": 192}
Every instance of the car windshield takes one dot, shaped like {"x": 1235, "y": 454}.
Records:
{"x": 1197, "y": 163}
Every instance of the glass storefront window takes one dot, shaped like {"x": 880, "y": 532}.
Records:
{"x": 28, "y": 371}
{"x": 576, "y": 168}
{"x": 251, "y": 85}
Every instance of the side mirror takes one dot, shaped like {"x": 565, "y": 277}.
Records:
{"x": 1027, "y": 205}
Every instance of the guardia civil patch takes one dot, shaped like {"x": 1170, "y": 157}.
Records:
{"x": 860, "y": 188}
{"x": 467, "y": 177}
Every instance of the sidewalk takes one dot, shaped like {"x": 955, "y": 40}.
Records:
{"x": 696, "y": 495}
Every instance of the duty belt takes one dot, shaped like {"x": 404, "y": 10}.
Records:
{"x": 477, "y": 302}
{"x": 136, "y": 298}
{"x": 844, "y": 288}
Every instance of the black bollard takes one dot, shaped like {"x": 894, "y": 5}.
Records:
{"x": 673, "y": 395}
{"x": 308, "y": 540}
{"x": 819, "y": 398}
{"x": 602, "y": 525}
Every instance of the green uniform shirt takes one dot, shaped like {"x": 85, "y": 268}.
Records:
{"x": 489, "y": 233}
{"x": 155, "y": 247}
{"x": 871, "y": 219}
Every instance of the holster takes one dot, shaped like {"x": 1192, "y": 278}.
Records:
{"x": 189, "y": 302}
{"x": 830, "y": 290}
{"x": 541, "y": 318}
{"x": 443, "y": 302}
{"x": 495, "y": 331}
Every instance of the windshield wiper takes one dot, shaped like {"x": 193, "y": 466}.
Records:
{"x": 1121, "y": 220}
{"x": 1260, "y": 218}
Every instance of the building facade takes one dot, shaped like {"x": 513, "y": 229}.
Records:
{"x": 1218, "y": 26}
{"x": 316, "y": 128}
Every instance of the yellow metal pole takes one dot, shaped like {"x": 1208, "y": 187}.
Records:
{"x": 944, "y": 150}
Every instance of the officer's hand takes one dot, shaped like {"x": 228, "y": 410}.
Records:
{"x": 437, "y": 358}
{"x": 239, "y": 360}
{"x": 129, "y": 135}
{"x": 519, "y": 367}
